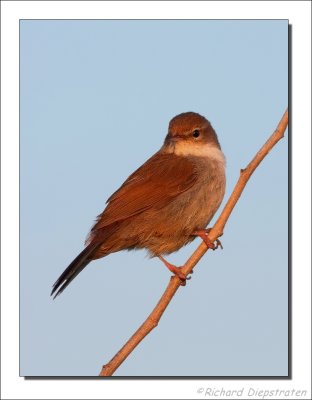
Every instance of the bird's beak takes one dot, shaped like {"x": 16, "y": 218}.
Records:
{"x": 174, "y": 139}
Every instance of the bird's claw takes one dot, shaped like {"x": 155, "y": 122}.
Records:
{"x": 177, "y": 271}
{"x": 182, "y": 276}
{"x": 219, "y": 244}
{"x": 203, "y": 234}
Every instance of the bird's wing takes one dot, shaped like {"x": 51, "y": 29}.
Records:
{"x": 158, "y": 181}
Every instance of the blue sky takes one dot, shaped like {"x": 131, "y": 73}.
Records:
{"x": 95, "y": 101}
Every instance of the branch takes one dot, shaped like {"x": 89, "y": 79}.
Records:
{"x": 152, "y": 321}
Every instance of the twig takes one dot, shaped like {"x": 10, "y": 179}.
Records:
{"x": 152, "y": 321}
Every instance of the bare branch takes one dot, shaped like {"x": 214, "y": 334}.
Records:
{"x": 152, "y": 321}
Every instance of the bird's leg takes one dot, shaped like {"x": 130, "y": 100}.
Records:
{"x": 203, "y": 233}
{"x": 175, "y": 270}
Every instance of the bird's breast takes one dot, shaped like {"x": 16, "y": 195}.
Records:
{"x": 168, "y": 229}
{"x": 197, "y": 206}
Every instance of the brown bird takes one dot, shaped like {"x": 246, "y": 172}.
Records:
{"x": 165, "y": 203}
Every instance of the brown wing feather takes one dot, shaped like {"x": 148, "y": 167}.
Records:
{"x": 159, "y": 180}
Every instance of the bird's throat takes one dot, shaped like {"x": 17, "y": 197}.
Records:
{"x": 196, "y": 150}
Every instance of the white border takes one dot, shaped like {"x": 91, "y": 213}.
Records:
{"x": 298, "y": 13}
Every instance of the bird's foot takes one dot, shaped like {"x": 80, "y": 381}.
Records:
{"x": 176, "y": 271}
{"x": 203, "y": 234}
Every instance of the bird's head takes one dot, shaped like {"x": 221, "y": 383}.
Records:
{"x": 191, "y": 134}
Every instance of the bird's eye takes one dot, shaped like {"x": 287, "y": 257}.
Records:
{"x": 196, "y": 133}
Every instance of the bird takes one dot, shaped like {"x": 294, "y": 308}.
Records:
{"x": 165, "y": 203}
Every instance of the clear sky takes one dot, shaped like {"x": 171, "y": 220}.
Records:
{"x": 95, "y": 101}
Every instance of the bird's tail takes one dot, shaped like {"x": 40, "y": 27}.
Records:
{"x": 76, "y": 266}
